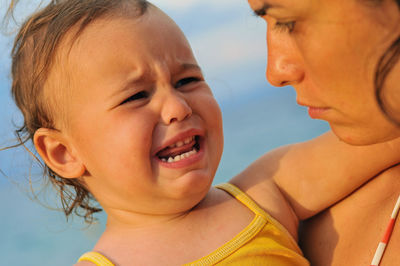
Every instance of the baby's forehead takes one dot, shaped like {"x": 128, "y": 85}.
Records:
{"x": 114, "y": 45}
{"x": 153, "y": 34}
{"x": 118, "y": 28}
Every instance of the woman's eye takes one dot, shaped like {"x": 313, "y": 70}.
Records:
{"x": 285, "y": 26}
{"x": 137, "y": 96}
{"x": 185, "y": 81}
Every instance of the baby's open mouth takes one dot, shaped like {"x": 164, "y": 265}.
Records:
{"x": 180, "y": 150}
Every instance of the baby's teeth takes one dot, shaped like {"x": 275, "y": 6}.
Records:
{"x": 177, "y": 158}
{"x": 181, "y": 143}
{"x": 188, "y": 140}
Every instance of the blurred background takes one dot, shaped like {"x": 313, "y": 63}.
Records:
{"x": 229, "y": 43}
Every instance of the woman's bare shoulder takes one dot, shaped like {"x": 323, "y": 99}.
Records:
{"x": 358, "y": 221}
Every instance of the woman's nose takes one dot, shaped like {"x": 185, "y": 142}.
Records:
{"x": 284, "y": 66}
{"x": 175, "y": 108}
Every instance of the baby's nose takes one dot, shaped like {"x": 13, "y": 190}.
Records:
{"x": 175, "y": 108}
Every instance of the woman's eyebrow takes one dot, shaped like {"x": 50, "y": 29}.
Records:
{"x": 262, "y": 11}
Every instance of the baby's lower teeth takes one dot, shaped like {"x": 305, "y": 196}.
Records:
{"x": 180, "y": 157}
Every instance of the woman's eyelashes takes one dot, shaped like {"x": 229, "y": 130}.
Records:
{"x": 137, "y": 96}
{"x": 285, "y": 26}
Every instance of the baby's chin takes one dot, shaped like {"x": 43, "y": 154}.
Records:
{"x": 193, "y": 185}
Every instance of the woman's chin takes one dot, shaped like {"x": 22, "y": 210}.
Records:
{"x": 365, "y": 136}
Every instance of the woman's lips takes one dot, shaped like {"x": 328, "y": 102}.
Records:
{"x": 317, "y": 112}
{"x": 314, "y": 112}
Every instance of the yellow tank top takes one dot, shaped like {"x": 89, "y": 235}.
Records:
{"x": 263, "y": 242}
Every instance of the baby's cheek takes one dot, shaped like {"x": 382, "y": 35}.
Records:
{"x": 215, "y": 120}
{"x": 215, "y": 110}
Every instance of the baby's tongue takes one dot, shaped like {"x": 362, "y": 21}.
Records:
{"x": 172, "y": 152}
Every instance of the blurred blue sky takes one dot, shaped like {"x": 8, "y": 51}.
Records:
{"x": 229, "y": 43}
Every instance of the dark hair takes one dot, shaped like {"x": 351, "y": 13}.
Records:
{"x": 385, "y": 65}
{"x": 33, "y": 56}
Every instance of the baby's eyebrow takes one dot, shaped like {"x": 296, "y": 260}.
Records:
{"x": 138, "y": 77}
{"x": 188, "y": 66}
{"x": 133, "y": 80}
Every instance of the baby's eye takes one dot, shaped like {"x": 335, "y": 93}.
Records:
{"x": 137, "y": 96}
{"x": 185, "y": 81}
{"x": 285, "y": 26}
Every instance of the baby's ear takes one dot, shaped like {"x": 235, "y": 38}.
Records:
{"x": 58, "y": 153}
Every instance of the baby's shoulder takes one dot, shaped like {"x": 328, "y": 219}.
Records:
{"x": 220, "y": 201}
{"x": 222, "y": 209}
{"x": 263, "y": 190}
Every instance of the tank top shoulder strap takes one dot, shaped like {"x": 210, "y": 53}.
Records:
{"x": 256, "y": 209}
{"x": 243, "y": 198}
{"x": 96, "y": 258}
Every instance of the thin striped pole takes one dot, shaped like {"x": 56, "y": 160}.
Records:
{"x": 382, "y": 245}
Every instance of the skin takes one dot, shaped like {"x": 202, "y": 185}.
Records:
{"x": 135, "y": 97}
{"x": 329, "y": 56}
{"x": 348, "y": 233}
{"x": 134, "y": 89}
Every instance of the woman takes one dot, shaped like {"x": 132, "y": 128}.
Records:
{"x": 341, "y": 58}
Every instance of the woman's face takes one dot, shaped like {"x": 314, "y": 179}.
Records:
{"x": 328, "y": 51}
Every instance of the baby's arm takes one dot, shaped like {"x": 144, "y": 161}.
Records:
{"x": 308, "y": 177}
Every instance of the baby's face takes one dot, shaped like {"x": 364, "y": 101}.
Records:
{"x": 143, "y": 120}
